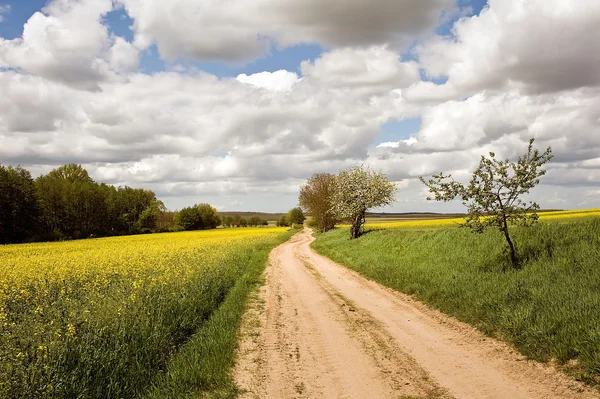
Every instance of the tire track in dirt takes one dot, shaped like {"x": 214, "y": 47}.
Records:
{"x": 319, "y": 330}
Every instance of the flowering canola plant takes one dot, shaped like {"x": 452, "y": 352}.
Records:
{"x": 68, "y": 309}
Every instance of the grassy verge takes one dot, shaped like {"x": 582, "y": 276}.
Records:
{"x": 549, "y": 309}
{"x": 202, "y": 368}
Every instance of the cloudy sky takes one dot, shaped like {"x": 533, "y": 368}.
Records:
{"x": 237, "y": 102}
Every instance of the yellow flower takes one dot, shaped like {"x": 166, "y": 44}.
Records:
{"x": 70, "y": 330}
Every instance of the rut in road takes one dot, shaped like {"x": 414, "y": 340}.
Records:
{"x": 319, "y": 330}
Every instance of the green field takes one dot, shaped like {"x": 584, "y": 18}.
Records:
{"x": 549, "y": 309}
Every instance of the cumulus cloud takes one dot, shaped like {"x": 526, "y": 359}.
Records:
{"x": 67, "y": 42}
{"x": 169, "y": 121}
{"x": 243, "y": 30}
{"x": 189, "y": 134}
{"x": 535, "y": 46}
{"x": 503, "y": 123}
{"x": 396, "y": 144}
{"x": 281, "y": 80}
{"x": 377, "y": 68}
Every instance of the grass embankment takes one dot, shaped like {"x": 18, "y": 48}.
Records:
{"x": 140, "y": 316}
{"x": 549, "y": 309}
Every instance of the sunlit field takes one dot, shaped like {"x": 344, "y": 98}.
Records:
{"x": 441, "y": 222}
{"x": 104, "y": 318}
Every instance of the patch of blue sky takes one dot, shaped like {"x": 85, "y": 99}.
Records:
{"x": 475, "y": 7}
{"x": 19, "y": 13}
{"x": 150, "y": 61}
{"x": 395, "y": 131}
{"x": 119, "y": 24}
{"x": 288, "y": 58}
{"x": 438, "y": 80}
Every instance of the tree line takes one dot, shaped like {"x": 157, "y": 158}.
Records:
{"x": 67, "y": 204}
{"x": 240, "y": 221}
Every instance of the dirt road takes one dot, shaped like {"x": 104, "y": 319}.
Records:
{"x": 319, "y": 330}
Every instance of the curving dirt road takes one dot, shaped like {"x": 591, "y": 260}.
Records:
{"x": 319, "y": 330}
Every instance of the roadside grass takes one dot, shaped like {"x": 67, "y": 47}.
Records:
{"x": 202, "y": 368}
{"x": 549, "y": 309}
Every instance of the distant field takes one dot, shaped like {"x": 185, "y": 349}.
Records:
{"x": 548, "y": 309}
{"x": 441, "y": 220}
{"x": 125, "y": 317}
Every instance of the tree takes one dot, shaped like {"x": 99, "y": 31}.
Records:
{"x": 316, "y": 199}
{"x": 283, "y": 221}
{"x": 254, "y": 221}
{"x": 227, "y": 221}
{"x": 358, "y": 189}
{"x": 165, "y": 222}
{"x": 243, "y": 222}
{"x": 493, "y": 196}
{"x": 188, "y": 218}
{"x": 72, "y": 204}
{"x": 237, "y": 219}
{"x": 71, "y": 172}
{"x": 198, "y": 217}
{"x": 67, "y": 203}
{"x": 18, "y": 205}
{"x": 209, "y": 216}
{"x": 148, "y": 220}
{"x": 296, "y": 216}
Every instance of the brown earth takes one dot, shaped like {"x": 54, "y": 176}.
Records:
{"x": 319, "y": 330}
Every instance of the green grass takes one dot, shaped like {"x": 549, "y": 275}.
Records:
{"x": 202, "y": 368}
{"x": 549, "y": 309}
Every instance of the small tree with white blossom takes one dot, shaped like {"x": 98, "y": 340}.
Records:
{"x": 357, "y": 190}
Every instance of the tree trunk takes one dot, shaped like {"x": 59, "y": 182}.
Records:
{"x": 357, "y": 223}
{"x": 513, "y": 253}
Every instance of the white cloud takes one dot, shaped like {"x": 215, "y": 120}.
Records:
{"x": 375, "y": 68}
{"x": 68, "y": 43}
{"x": 166, "y": 123}
{"x": 396, "y": 144}
{"x": 123, "y": 56}
{"x": 536, "y": 46}
{"x": 281, "y": 80}
{"x": 243, "y": 30}
{"x": 188, "y": 134}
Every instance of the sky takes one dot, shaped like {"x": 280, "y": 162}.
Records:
{"x": 238, "y": 105}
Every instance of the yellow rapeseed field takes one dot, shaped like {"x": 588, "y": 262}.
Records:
{"x": 544, "y": 216}
{"x": 71, "y": 308}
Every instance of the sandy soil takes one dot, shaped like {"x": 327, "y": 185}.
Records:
{"x": 319, "y": 330}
